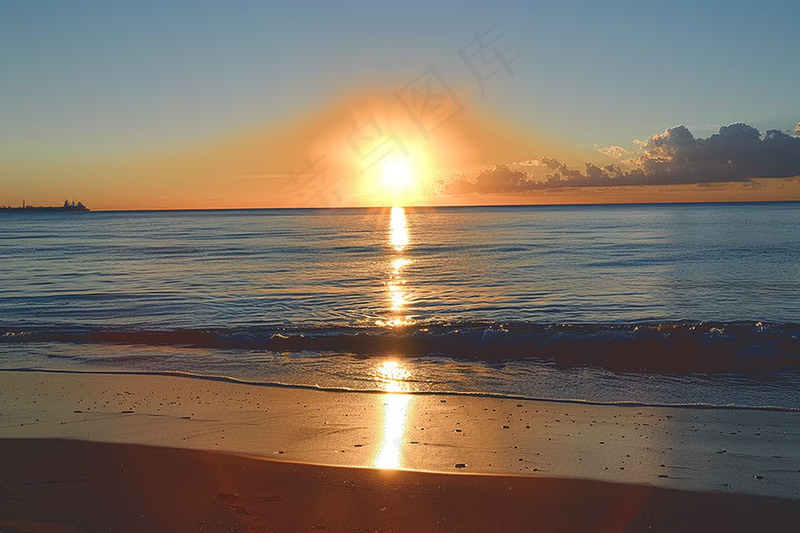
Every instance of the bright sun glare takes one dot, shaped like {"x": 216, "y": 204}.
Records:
{"x": 397, "y": 174}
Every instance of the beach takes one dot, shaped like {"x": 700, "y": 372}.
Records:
{"x": 606, "y": 368}
{"x": 83, "y": 452}
{"x": 365, "y": 267}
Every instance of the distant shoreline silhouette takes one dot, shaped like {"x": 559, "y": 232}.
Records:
{"x": 68, "y": 206}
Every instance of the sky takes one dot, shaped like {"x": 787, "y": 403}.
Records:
{"x": 156, "y": 105}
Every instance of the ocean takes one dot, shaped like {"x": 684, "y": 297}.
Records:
{"x": 695, "y": 304}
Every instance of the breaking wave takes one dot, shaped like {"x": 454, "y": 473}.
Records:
{"x": 706, "y": 347}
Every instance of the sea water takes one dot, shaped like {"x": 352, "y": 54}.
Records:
{"x": 653, "y": 304}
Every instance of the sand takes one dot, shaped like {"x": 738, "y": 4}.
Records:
{"x": 89, "y": 452}
{"x": 78, "y": 486}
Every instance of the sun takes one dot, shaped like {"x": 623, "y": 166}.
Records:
{"x": 397, "y": 174}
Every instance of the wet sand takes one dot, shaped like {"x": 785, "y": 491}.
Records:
{"x": 152, "y": 453}
{"x": 71, "y": 486}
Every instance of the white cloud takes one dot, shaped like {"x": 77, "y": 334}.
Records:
{"x": 614, "y": 151}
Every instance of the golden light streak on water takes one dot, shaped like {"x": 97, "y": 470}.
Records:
{"x": 399, "y": 229}
{"x": 397, "y": 292}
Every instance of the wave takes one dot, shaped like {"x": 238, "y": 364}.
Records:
{"x": 707, "y": 347}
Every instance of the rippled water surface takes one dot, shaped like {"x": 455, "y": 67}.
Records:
{"x": 487, "y": 300}
{"x": 600, "y": 264}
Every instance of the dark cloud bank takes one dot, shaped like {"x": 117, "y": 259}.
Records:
{"x": 737, "y": 153}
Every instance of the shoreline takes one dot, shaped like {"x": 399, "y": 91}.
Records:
{"x": 83, "y": 452}
{"x": 707, "y": 450}
{"x": 445, "y": 393}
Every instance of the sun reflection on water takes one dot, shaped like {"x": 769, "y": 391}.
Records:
{"x": 399, "y": 228}
{"x": 394, "y": 378}
{"x": 399, "y": 263}
{"x": 397, "y": 292}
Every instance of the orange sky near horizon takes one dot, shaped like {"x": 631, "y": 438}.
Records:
{"x": 336, "y": 157}
{"x": 347, "y": 143}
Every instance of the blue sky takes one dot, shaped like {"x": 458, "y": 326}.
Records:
{"x": 82, "y": 75}
{"x": 97, "y": 80}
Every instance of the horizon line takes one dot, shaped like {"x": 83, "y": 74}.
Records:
{"x": 440, "y": 206}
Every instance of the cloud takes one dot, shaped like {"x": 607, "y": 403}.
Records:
{"x": 527, "y": 163}
{"x": 735, "y": 154}
{"x": 614, "y": 151}
{"x": 498, "y": 179}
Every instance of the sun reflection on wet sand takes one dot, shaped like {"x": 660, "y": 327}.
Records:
{"x": 394, "y": 379}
